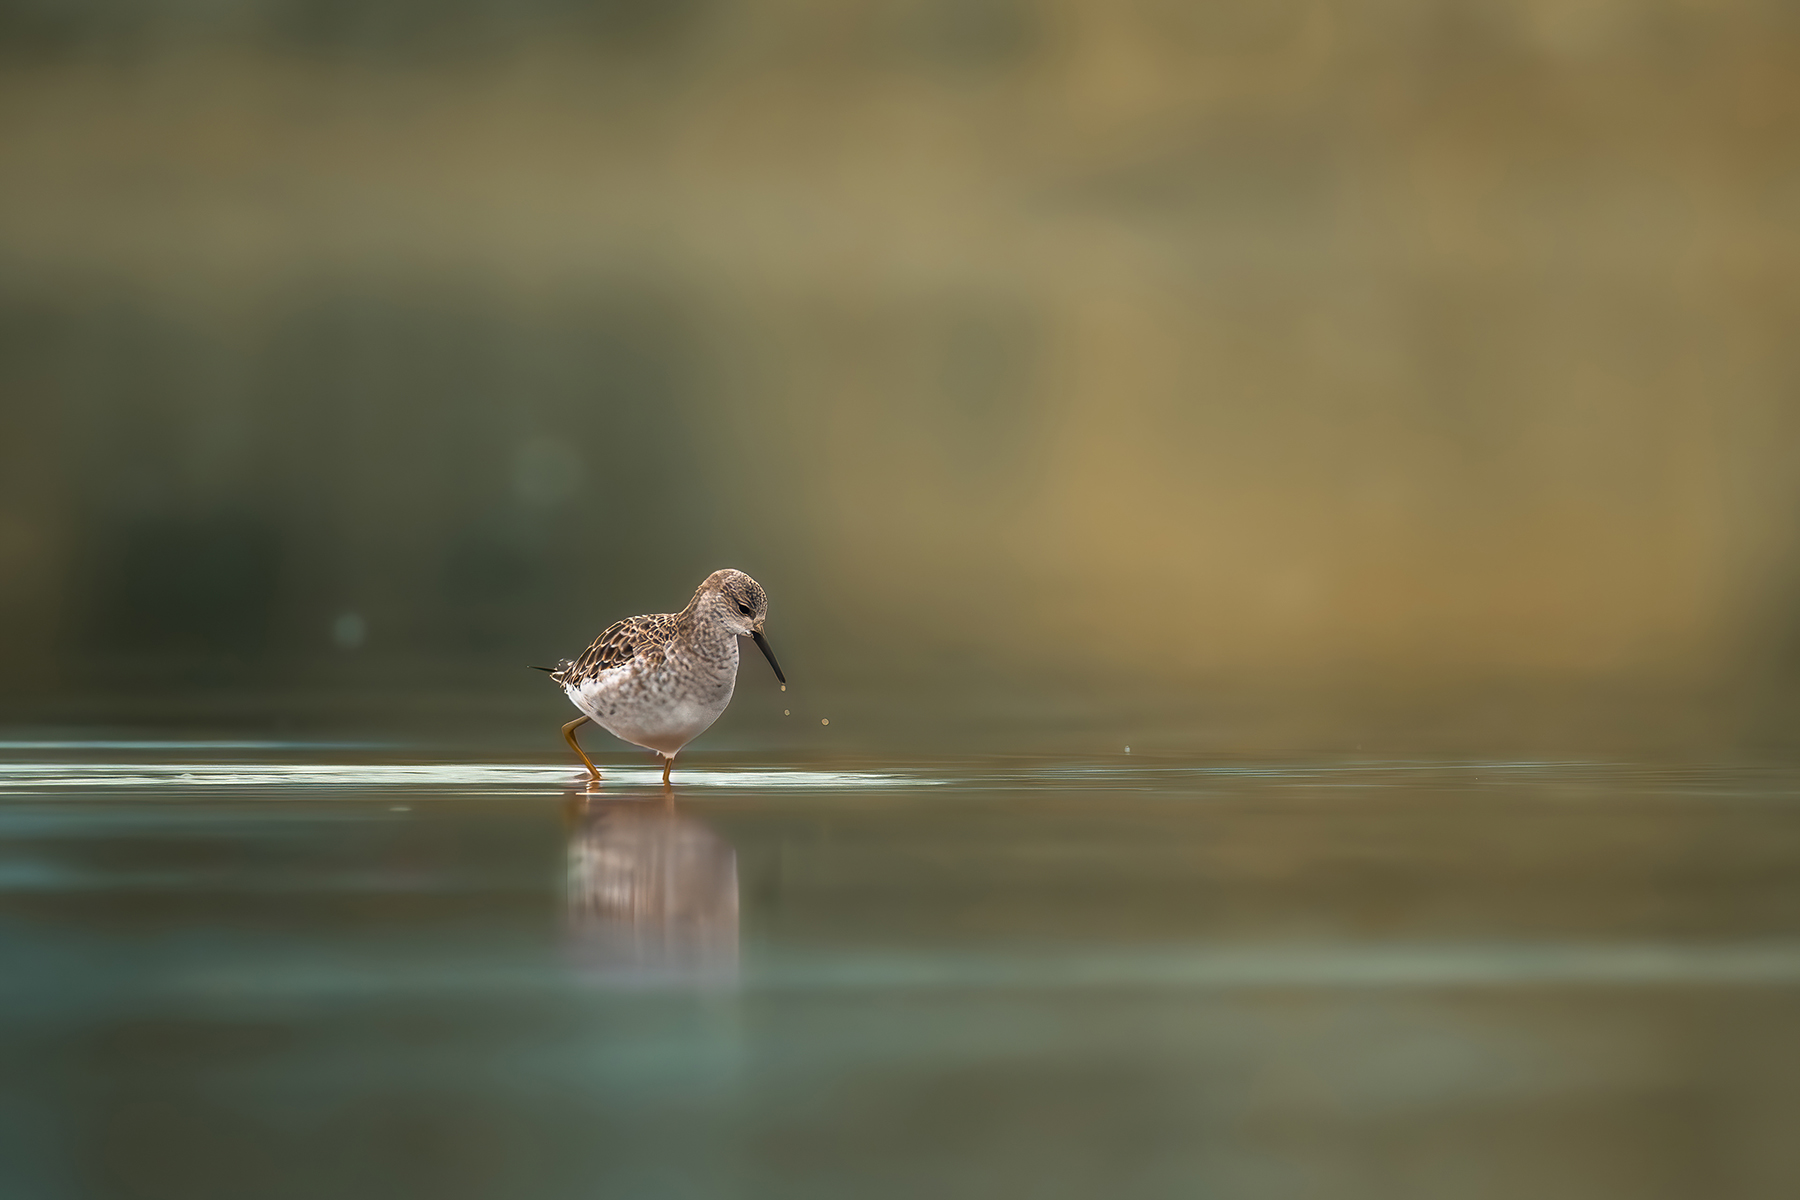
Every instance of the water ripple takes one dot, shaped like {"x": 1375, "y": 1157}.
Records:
{"x": 27, "y": 777}
{"x": 1199, "y": 968}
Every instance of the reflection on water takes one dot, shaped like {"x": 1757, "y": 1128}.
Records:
{"x": 653, "y": 894}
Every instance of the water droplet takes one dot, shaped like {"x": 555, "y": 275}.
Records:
{"x": 784, "y": 687}
{"x": 786, "y": 713}
{"x": 1128, "y": 749}
{"x": 824, "y": 721}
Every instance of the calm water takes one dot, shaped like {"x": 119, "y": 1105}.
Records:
{"x": 256, "y": 970}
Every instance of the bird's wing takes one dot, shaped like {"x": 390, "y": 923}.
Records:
{"x": 621, "y": 642}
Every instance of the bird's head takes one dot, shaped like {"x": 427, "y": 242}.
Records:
{"x": 738, "y": 603}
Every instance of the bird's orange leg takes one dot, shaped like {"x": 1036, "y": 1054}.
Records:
{"x": 668, "y": 761}
{"x": 569, "y": 736}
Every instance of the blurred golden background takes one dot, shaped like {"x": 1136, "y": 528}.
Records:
{"x": 1435, "y": 361}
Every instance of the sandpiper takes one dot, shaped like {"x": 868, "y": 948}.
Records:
{"x": 659, "y": 681}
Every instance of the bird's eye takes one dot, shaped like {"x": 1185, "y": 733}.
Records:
{"x": 744, "y": 608}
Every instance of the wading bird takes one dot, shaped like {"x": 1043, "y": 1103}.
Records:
{"x": 659, "y": 681}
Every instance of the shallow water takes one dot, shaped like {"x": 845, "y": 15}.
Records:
{"x": 273, "y": 970}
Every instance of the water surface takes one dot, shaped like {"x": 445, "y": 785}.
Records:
{"x": 270, "y": 970}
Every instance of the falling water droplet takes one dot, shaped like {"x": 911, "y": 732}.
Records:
{"x": 824, "y": 721}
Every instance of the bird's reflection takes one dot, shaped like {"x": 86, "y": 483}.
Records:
{"x": 652, "y": 893}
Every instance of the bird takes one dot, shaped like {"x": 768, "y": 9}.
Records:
{"x": 659, "y": 681}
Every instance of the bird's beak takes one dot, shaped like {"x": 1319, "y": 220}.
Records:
{"x": 763, "y": 645}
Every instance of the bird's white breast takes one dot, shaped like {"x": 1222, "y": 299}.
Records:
{"x": 661, "y": 708}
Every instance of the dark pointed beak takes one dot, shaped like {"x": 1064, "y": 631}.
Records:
{"x": 763, "y": 645}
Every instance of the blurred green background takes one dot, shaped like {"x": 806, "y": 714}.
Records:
{"x": 1239, "y": 373}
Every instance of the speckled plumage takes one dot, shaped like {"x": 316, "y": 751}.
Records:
{"x": 658, "y": 681}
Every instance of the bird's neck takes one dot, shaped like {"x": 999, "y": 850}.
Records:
{"x": 709, "y": 639}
